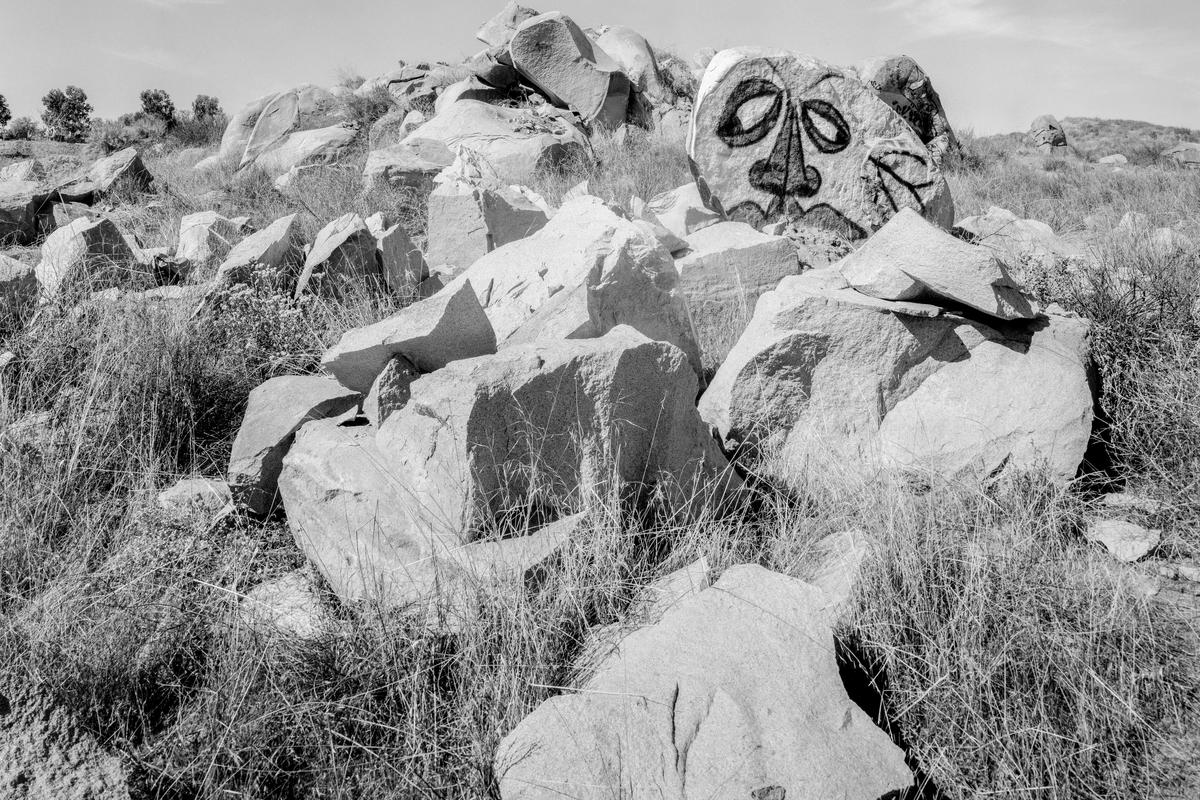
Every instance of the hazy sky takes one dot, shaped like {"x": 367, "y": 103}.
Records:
{"x": 996, "y": 63}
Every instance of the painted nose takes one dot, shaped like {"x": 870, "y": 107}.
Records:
{"x": 783, "y": 173}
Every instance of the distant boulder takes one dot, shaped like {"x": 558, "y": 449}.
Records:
{"x": 1186, "y": 155}
{"x": 499, "y": 30}
{"x": 1047, "y": 134}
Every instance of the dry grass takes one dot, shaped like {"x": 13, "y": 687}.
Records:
{"x": 1013, "y": 659}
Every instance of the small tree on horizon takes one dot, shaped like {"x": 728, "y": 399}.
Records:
{"x": 205, "y": 107}
{"x": 5, "y": 114}
{"x": 68, "y": 114}
{"x": 157, "y": 103}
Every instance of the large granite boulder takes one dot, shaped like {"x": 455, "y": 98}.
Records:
{"x": 413, "y": 163}
{"x": 516, "y": 142}
{"x": 556, "y": 56}
{"x": 780, "y": 135}
{"x": 498, "y": 31}
{"x": 828, "y": 379}
{"x": 316, "y": 147}
{"x": 734, "y": 693}
{"x": 1048, "y": 135}
{"x": 635, "y": 57}
{"x": 278, "y": 118}
{"x": 344, "y": 261}
{"x": 902, "y": 84}
{"x": 1184, "y": 154}
{"x": 587, "y": 271}
{"x": 286, "y": 111}
{"x": 274, "y": 412}
{"x": 123, "y": 168}
{"x": 86, "y": 255}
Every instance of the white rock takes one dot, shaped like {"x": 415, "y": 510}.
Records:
{"x": 1115, "y": 159}
{"x": 1126, "y": 541}
{"x": 277, "y": 119}
{"x": 196, "y": 495}
{"x": 343, "y": 261}
{"x": 411, "y": 164}
{"x": 910, "y": 259}
{"x": 735, "y": 693}
{"x": 87, "y": 253}
{"x": 777, "y": 134}
{"x": 206, "y": 236}
{"x": 727, "y": 267}
{"x": 681, "y": 211}
{"x": 304, "y": 149}
{"x": 275, "y": 248}
{"x": 556, "y": 56}
{"x": 587, "y": 271}
{"x": 401, "y": 260}
{"x": 391, "y": 390}
{"x": 1016, "y": 241}
{"x": 430, "y": 333}
{"x": 499, "y": 30}
{"x": 635, "y": 57}
{"x": 287, "y": 605}
{"x": 467, "y": 220}
{"x": 842, "y": 381}
{"x": 274, "y": 412}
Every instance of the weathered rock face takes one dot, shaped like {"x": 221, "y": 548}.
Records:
{"x": 680, "y": 211}
{"x": 46, "y": 753}
{"x": 727, "y": 267}
{"x": 516, "y": 142}
{"x": 284, "y": 111}
{"x": 468, "y": 89}
{"x": 499, "y": 30}
{"x": 837, "y": 379}
{"x": 286, "y": 606}
{"x": 321, "y": 146}
{"x": 276, "y": 120}
{"x": 353, "y": 519}
{"x": 549, "y": 424}
{"x": 587, "y": 271}
{"x": 206, "y": 236}
{"x": 778, "y": 134}
{"x": 635, "y": 57}
{"x": 471, "y": 215}
{"x": 274, "y": 412}
{"x": 1021, "y": 242}
{"x": 402, "y": 262}
{"x": 18, "y": 288}
{"x": 902, "y": 84}
{"x": 391, "y": 390}
{"x": 910, "y": 259}
{"x": 1047, "y": 133}
{"x": 196, "y": 496}
{"x": 1186, "y": 155}
{"x": 276, "y": 248}
{"x": 344, "y": 260}
{"x": 22, "y": 202}
{"x": 556, "y": 56}
{"x": 734, "y": 693}
{"x": 238, "y": 131}
{"x": 431, "y": 333}
{"x": 103, "y": 175}
{"x": 413, "y": 164}
{"x": 91, "y": 254}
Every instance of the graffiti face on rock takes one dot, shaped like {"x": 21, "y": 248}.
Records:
{"x": 791, "y": 137}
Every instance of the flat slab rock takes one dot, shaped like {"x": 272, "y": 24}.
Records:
{"x": 734, "y": 693}
{"x": 778, "y": 135}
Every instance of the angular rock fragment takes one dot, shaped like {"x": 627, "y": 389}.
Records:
{"x": 431, "y": 333}
{"x": 18, "y": 289}
{"x": 206, "y": 236}
{"x": 274, "y": 412}
{"x": 275, "y": 248}
{"x": 196, "y": 495}
{"x": 779, "y": 135}
{"x": 87, "y": 254}
{"x": 304, "y": 149}
{"x": 734, "y": 693}
{"x": 343, "y": 261}
{"x": 902, "y": 84}
{"x": 402, "y": 262}
{"x": 681, "y": 211}
{"x": 412, "y": 164}
{"x": 499, "y": 30}
{"x": 391, "y": 390}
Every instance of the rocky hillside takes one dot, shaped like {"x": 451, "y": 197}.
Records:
{"x": 574, "y": 422}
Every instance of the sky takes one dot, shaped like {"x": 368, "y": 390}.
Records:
{"x": 996, "y": 63}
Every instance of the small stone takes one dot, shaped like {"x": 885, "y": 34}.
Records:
{"x": 1126, "y": 541}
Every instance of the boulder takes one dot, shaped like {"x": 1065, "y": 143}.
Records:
{"x": 411, "y": 164}
{"x": 28, "y": 170}
{"x": 18, "y": 288}
{"x": 275, "y": 248}
{"x": 725, "y": 269}
{"x": 557, "y": 57}
{"x": 471, "y": 214}
{"x": 1126, "y": 541}
{"x": 1185, "y": 154}
{"x": 680, "y": 211}
{"x": 498, "y": 31}
{"x": 468, "y": 89}
{"x": 910, "y": 259}
{"x": 317, "y": 147}
{"x": 780, "y": 135}
{"x": 278, "y": 118}
{"x": 1028, "y": 243}
{"x": 401, "y": 261}
{"x": 635, "y": 58}
{"x": 121, "y": 168}
{"x": 343, "y": 261}
{"x": 22, "y": 205}
{"x": 734, "y": 693}
{"x": 494, "y": 67}
{"x": 587, "y": 271}
{"x": 550, "y": 428}
{"x": 902, "y": 84}
{"x": 352, "y": 517}
{"x": 516, "y": 142}
{"x": 826, "y": 378}
{"x": 1115, "y": 160}
{"x": 85, "y": 255}
{"x": 274, "y": 412}
{"x": 286, "y": 606}
{"x": 237, "y": 132}
{"x": 206, "y": 236}
{"x": 196, "y": 496}
{"x": 391, "y": 390}
{"x": 393, "y": 126}
{"x": 1047, "y": 134}
{"x": 430, "y": 333}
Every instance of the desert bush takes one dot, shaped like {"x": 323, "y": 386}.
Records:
{"x": 66, "y": 114}
{"x": 108, "y": 136}
{"x": 198, "y": 130}
{"x": 677, "y": 76}
{"x": 5, "y": 113}
{"x": 367, "y": 109}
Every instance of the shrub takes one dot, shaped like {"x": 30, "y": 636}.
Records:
{"x": 107, "y": 136}
{"x": 677, "y": 76}
{"x": 367, "y": 109}
{"x": 197, "y": 131}
{"x": 157, "y": 103}
{"x": 205, "y": 107}
{"x": 21, "y": 128}
{"x": 5, "y": 114}
{"x": 67, "y": 114}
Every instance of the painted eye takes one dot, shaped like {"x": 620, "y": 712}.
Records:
{"x": 750, "y": 113}
{"x": 825, "y": 126}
